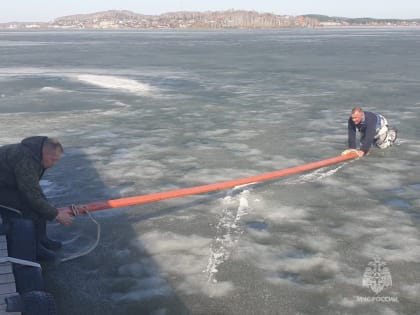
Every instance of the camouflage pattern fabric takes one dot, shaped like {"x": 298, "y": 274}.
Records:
{"x": 20, "y": 172}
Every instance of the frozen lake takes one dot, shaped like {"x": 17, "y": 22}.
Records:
{"x": 143, "y": 112}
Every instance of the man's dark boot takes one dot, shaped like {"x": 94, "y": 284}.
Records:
{"x": 51, "y": 244}
{"x": 43, "y": 254}
{"x": 41, "y": 231}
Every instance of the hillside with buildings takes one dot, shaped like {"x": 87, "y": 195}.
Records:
{"x": 232, "y": 19}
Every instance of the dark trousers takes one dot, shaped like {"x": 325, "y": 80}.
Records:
{"x": 40, "y": 225}
{"x": 14, "y": 211}
{"x": 11, "y": 202}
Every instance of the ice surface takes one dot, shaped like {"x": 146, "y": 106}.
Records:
{"x": 166, "y": 110}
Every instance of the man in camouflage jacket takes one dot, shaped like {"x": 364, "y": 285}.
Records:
{"x": 21, "y": 168}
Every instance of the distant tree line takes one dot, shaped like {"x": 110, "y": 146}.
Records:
{"x": 122, "y": 19}
{"x": 358, "y": 21}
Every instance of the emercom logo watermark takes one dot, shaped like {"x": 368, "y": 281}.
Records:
{"x": 377, "y": 277}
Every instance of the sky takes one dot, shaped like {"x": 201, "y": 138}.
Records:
{"x": 48, "y": 10}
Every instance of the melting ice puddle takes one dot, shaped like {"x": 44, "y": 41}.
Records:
{"x": 399, "y": 203}
{"x": 290, "y": 276}
{"x": 415, "y": 186}
{"x": 299, "y": 254}
{"x": 256, "y": 225}
{"x": 397, "y": 190}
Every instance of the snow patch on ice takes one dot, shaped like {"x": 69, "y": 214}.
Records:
{"x": 180, "y": 255}
{"x": 116, "y": 83}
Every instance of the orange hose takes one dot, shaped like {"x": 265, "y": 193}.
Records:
{"x": 138, "y": 200}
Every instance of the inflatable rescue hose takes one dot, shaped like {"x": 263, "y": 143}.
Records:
{"x": 142, "y": 199}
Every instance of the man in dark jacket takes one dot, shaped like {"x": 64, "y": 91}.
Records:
{"x": 373, "y": 128}
{"x": 21, "y": 168}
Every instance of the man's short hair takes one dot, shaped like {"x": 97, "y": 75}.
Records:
{"x": 52, "y": 145}
{"x": 356, "y": 109}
